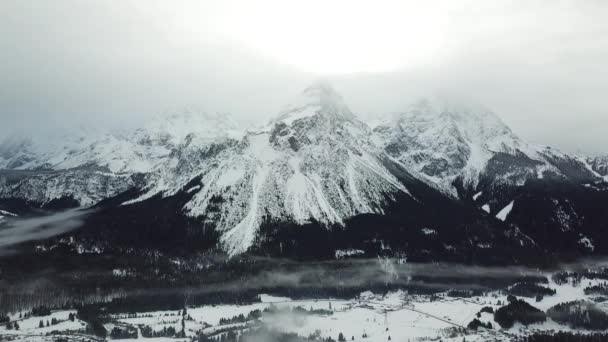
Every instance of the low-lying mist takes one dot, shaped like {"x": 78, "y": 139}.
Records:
{"x": 19, "y": 230}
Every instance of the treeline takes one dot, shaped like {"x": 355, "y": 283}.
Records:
{"x": 311, "y": 311}
{"x": 477, "y": 284}
{"x": 26, "y": 298}
{"x": 41, "y": 310}
{"x": 12, "y": 325}
{"x": 599, "y": 289}
{"x": 120, "y": 333}
{"x": 168, "y": 299}
{"x": 148, "y": 332}
{"x": 575, "y": 277}
{"x": 531, "y": 290}
{"x": 253, "y": 315}
{"x": 95, "y": 317}
{"x": 476, "y": 324}
{"x": 518, "y": 311}
{"x": 54, "y": 321}
{"x": 579, "y": 315}
{"x": 464, "y": 293}
{"x": 175, "y": 300}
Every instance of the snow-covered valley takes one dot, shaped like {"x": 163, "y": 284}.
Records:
{"x": 396, "y": 315}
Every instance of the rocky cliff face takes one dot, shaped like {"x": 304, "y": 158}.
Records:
{"x": 599, "y": 165}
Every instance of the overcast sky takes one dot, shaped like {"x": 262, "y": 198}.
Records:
{"x": 540, "y": 65}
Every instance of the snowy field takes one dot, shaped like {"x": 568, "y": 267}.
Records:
{"x": 398, "y": 315}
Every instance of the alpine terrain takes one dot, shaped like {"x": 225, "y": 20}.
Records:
{"x": 439, "y": 181}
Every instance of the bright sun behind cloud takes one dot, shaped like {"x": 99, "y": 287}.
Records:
{"x": 326, "y": 37}
{"x": 340, "y": 36}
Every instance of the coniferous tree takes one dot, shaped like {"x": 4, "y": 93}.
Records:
{"x": 183, "y": 333}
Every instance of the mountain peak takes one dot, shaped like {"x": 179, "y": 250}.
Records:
{"x": 447, "y": 138}
{"x": 323, "y": 91}
{"x": 320, "y": 98}
{"x": 471, "y": 121}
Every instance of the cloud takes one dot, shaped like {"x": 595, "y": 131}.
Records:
{"x": 358, "y": 274}
{"x": 18, "y": 230}
{"x": 116, "y": 64}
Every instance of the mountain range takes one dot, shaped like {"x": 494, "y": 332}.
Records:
{"x": 441, "y": 180}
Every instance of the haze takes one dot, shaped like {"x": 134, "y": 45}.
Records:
{"x": 540, "y": 65}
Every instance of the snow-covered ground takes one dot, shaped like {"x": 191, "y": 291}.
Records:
{"x": 398, "y": 315}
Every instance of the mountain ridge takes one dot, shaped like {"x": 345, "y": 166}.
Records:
{"x": 316, "y": 164}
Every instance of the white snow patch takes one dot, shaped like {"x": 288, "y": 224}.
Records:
{"x": 194, "y": 188}
{"x": 486, "y": 208}
{"x": 342, "y": 253}
{"x": 585, "y": 241}
{"x": 502, "y": 215}
{"x": 428, "y": 231}
{"x": 476, "y": 196}
{"x": 117, "y": 272}
{"x": 230, "y": 177}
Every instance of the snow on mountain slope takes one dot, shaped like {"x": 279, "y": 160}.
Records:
{"x": 144, "y": 149}
{"x": 317, "y": 98}
{"x": 140, "y": 151}
{"x": 447, "y": 141}
{"x": 41, "y": 152}
{"x": 315, "y": 161}
{"x": 502, "y": 214}
{"x": 599, "y": 165}
{"x": 15, "y": 152}
{"x": 86, "y": 186}
{"x": 175, "y": 128}
{"x": 90, "y": 166}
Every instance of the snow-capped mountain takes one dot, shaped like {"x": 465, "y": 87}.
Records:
{"x": 139, "y": 151}
{"x": 457, "y": 145}
{"x": 314, "y": 161}
{"x": 85, "y": 187}
{"x": 90, "y": 166}
{"x": 315, "y": 171}
{"x": 470, "y": 154}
